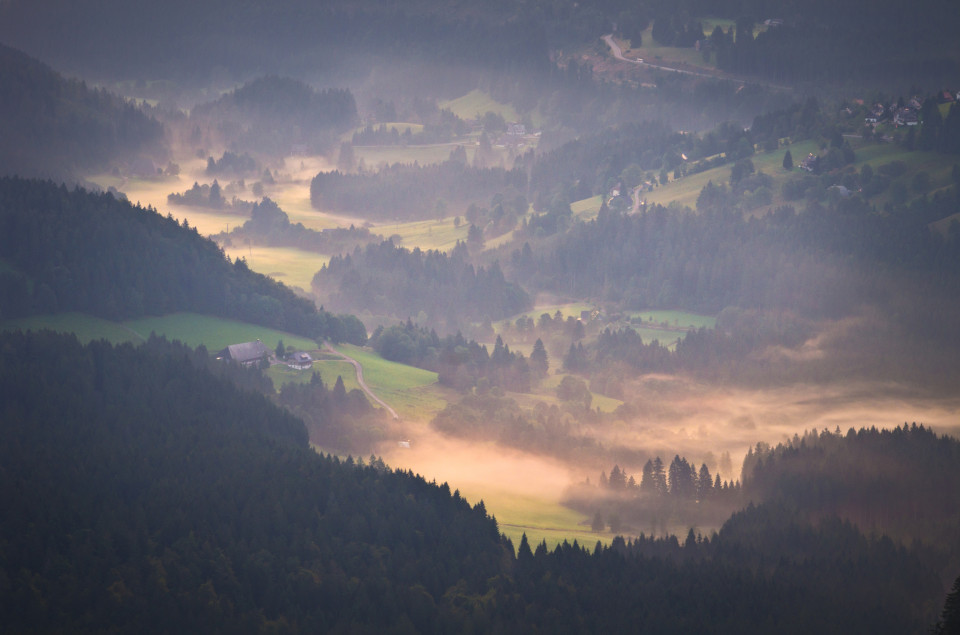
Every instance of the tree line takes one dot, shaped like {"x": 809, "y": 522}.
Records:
{"x": 410, "y": 192}
{"x": 444, "y": 288}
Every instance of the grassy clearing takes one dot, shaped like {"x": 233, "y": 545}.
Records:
{"x": 676, "y": 318}
{"x": 214, "y": 333}
{"x": 540, "y": 519}
{"x": 86, "y": 327}
{"x": 685, "y": 190}
{"x": 328, "y": 369}
{"x": 476, "y": 103}
{"x": 588, "y": 208}
{"x": 412, "y": 392}
{"x": 426, "y": 234}
{"x": 293, "y": 267}
{"x": 654, "y": 53}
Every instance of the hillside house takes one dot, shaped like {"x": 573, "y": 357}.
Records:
{"x": 906, "y": 116}
{"x": 811, "y": 163}
{"x": 246, "y": 353}
{"x": 300, "y": 360}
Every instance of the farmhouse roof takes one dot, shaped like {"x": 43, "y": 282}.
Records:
{"x": 247, "y": 352}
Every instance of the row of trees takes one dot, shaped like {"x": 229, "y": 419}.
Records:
{"x": 442, "y": 289}
{"x": 410, "y": 192}
{"x": 460, "y": 363}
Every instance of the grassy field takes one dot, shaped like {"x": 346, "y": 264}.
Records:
{"x": 476, "y": 103}
{"x": 328, "y": 369}
{"x": 290, "y": 266}
{"x": 685, "y": 190}
{"x": 540, "y": 519}
{"x": 676, "y": 318}
{"x": 426, "y": 234}
{"x": 412, "y": 392}
{"x": 588, "y": 208}
{"x": 86, "y": 327}
{"x": 214, "y": 333}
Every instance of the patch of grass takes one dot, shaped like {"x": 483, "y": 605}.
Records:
{"x": 542, "y": 520}
{"x": 685, "y": 190}
{"x": 426, "y": 234}
{"x": 653, "y": 52}
{"x": 675, "y": 318}
{"x": 86, "y": 327}
{"x": 328, "y": 369}
{"x": 412, "y": 392}
{"x": 291, "y": 266}
{"x": 213, "y": 332}
{"x": 477, "y": 102}
{"x": 588, "y": 208}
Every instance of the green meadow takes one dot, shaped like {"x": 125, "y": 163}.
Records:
{"x": 476, "y": 103}
{"x": 538, "y": 518}
{"x": 675, "y": 318}
{"x": 291, "y": 266}
{"x": 213, "y": 332}
{"x": 328, "y": 370}
{"x": 440, "y": 234}
{"x": 685, "y": 190}
{"x": 87, "y": 328}
{"x": 588, "y": 208}
{"x": 412, "y": 392}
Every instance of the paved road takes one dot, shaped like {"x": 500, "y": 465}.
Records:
{"x": 360, "y": 381}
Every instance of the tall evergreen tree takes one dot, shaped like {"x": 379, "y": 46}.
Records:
{"x": 787, "y": 160}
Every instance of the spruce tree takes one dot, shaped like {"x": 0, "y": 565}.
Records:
{"x": 787, "y": 161}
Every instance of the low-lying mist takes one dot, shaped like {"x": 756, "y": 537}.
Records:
{"x": 676, "y": 416}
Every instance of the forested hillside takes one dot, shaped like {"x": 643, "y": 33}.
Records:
{"x": 143, "y": 494}
{"x": 51, "y": 125}
{"x": 71, "y": 250}
{"x": 152, "y": 496}
{"x": 270, "y": 115}
{"x": 402, "y": 283}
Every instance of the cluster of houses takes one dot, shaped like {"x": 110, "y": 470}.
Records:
{"x": 908, "y": 113}
{"x": 516, "y": 137}
{"x": 249, "y": 353}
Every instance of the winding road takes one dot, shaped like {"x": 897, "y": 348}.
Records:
{"x": 363, "y": 384}
{"x": 618, "y": 53}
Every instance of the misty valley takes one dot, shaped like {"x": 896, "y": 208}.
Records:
{"x": 519, "y": 317}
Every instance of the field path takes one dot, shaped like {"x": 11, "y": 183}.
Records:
{"x": 360, "y": 380}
